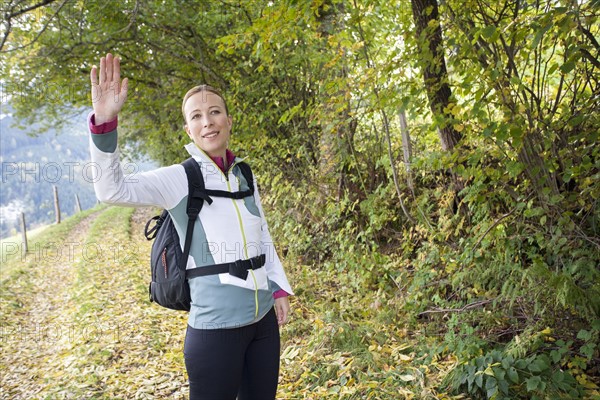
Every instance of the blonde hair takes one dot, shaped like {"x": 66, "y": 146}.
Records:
{"x": 200, "y": 89}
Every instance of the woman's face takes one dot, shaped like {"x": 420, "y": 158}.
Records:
{"x": 207, "y": 123}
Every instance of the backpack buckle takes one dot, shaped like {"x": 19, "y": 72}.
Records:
{"x": 257, "y": 262}
{"x": 238, "y": 269}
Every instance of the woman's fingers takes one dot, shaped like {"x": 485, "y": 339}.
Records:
{"x": 94, "y": 76}
{"x": 102, "y": 72}
{"x": 109, "y": 68}
{"x": 116, "y": 71}
{"x": 282, "y": 308}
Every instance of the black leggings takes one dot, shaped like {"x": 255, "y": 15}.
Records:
{"x": 225, "y": 363}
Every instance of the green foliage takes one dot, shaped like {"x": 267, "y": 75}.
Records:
{"x": 504, "y": 240}
{"x": 497, "y": 375}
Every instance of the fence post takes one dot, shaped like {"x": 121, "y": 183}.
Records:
{"x": 23, "y": 232}
{"x": 77, "y": 204}
{"x": 56, "y": 206}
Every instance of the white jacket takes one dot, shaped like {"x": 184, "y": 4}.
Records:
{"x": 225, "y": 231}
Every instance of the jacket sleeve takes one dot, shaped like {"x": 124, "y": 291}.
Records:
{"x": 273, "y": 264}
{"x": 163, "y": 187}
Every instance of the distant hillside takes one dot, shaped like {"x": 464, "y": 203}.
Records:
{"x": 32, "y": 165}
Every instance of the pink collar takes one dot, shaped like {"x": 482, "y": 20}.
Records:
{"x": 219, "y": 160}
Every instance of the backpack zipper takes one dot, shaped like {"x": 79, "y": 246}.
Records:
{"x": 164, "y": 261}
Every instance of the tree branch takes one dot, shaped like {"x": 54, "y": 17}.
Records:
{"x": 468, "y": 307}
{"x": 590, "y": 58}
{"x": 23, "y": 11}
{"x": 496, "y": 222}
{"x": 588, "y": 35}
{"x": 30, "y": 8}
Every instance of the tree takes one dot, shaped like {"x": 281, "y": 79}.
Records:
{"x": 433, "y": 64}
{"x": 505, "y": 97}
{"x": 13, "y": 14}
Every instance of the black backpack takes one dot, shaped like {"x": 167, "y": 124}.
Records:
{"x": 169, "y": 287}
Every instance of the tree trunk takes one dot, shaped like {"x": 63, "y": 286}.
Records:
{"x": 336, "y": 139}
{"x": 532, "y": 147}
{"x": 406, "y": 149}
{"x": 535, "y": 168}
{"x": 433, "y": 64}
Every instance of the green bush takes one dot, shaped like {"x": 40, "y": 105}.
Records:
{"x": 499, "y": 376}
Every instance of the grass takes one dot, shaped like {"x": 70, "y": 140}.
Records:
{"x": 100, "y": 338}
{"x": 345, "y": 342}
{"x": 31, "y": 233}
{"x": 41, "y": 243}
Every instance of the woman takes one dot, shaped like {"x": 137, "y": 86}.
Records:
{"x": 232, "y": 340}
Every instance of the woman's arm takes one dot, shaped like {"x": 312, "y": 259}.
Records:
{"x": 163, "y": 187}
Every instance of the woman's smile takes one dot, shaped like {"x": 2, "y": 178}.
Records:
{"x": 208, "y": 124}
{"x": 210, "y": 135}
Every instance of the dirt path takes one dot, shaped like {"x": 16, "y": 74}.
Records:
{"x": 36, "y": 329}
{"x": 76, "y": 321}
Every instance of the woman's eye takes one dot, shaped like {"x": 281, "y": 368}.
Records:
{"x": 195, "y": 116}
{"x": 215, "y": 112}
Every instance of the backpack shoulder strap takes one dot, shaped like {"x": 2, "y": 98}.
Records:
{"x": 196, "y": 197}
{"x": 247, "y": 172}
{"x": 193, "y": 173}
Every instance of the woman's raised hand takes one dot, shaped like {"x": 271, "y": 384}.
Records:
{"x": 108, "y": 92}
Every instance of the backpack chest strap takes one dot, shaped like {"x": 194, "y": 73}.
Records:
{"x": 238, "y": 268}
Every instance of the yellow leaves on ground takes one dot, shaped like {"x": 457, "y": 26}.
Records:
{"x": 337, "y": 346}
{"x": 82, "y": 328}
{"x": 85, "y": 329}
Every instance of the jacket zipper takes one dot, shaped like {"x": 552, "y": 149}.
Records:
{"x": 239, "y": 215}
{"x": 241, "y": 225}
